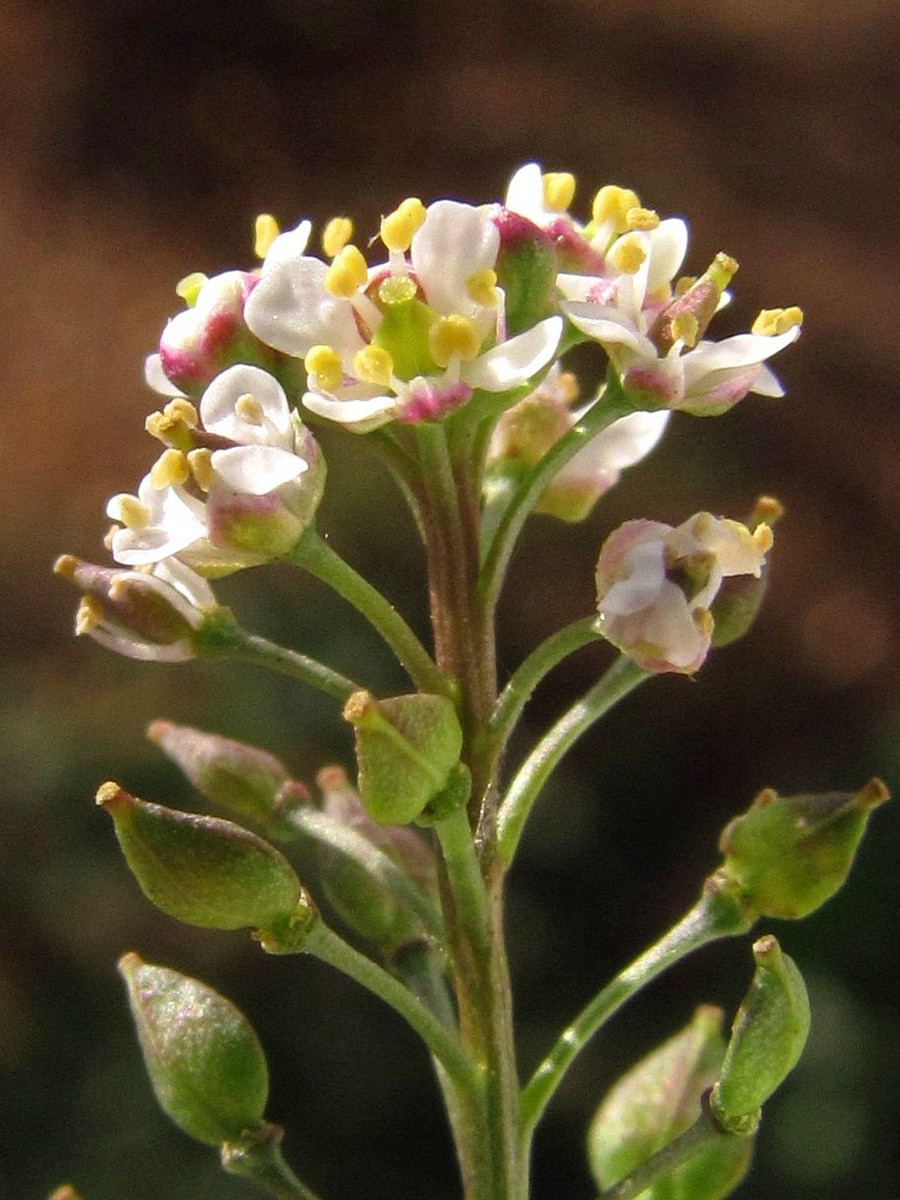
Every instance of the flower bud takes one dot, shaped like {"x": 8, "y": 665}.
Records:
{"x": 139, "y": 614}
{"x": 244, "y": 780}
{"x": 789, "y": 854}
{"x": 202, "y": 870}
{"x": 204, "y": 1060}
{"x": 767, "y": 1038}
{"x": 361, "y": 899}
{"x": 526, "y": 270}
{"x": 657, "y": 1100}
{"x": 406, "y": 747}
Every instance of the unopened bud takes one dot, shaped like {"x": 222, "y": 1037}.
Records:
{"x": 526, "y": 268}
{"x": 203, "y": 870}
{"x": 204, "y": 1060}
{"x": 767, "y": 1038}
{"x": 406, "y": 747}
{"x": 789, "y": 854}
{"x": 655, "y": 1102}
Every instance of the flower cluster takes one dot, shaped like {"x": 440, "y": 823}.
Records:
{"x": 466, "y": 317}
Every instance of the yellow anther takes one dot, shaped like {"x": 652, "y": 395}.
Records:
{"x": 481, "y": 286}
{"x": 249, "y": 409}
{"x": 181, "y": 409}
{"x": 772, "y": 321}
{"x": 265, "y": 231}
{"x": 347, "y": 273}
{"x": 398, "y": 227}
{"x": 683, "y": 283}
{"x": 611, "y": 206}
{"x": 373, "y": 364}
{"x": 627, "y": 254}
{"x": 642, "y": 218}
{"x": 189, "y": 287}
{"x": 453, "y": 337}
{"x": 559, "y": 190}
{"x": 171, "y": 468}
{"x": 336, "y": 235}
{"x": 763, "y": 538}
{"x": 130, "y": 511}
{"x": 567, "y": 387}
{"x": 200, "y": 463}
{"x": 88, "y": 615}
{"x": 686, "y": 328}
{"x": 323, "y": 366}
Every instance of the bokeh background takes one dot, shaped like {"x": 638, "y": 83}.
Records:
{"x": 138, "y": 139}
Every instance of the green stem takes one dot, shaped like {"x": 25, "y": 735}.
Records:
{"x": 717, "y": 914}
{"x": 257, "y": 1157}
{"x": 528, "y": 675}
{"x": 324, "y": 944}
{"x": 621, "y": 678}
{"x": 220, "y": 636}
{"x": 337, "y": 836}
{"x": 464, "y": 876}
{"x": 612, "y": 405}
{"x": 314, "y": 555}
{"x": 703, "y": 1135}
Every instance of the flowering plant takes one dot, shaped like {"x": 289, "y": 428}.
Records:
{"x": 450, "y": 355}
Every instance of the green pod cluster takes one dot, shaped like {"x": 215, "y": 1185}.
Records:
{"x": 204, "y": 1060}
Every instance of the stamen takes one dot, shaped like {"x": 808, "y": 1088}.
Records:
{"x": 686, "y": 328}
{"x": 129, "y": 510}
{"x": 347, "y": 273}
{"x": 323, "y": 366}
{"x": 627, "y": 254}
{"x": 772, "y": 321}
{"x": 398, "y": 227}
{"x": 453, "y": 337}
{"x": 171, "y": 468}
{"x": 642, "y": 218}
{"x": 611, "y": 205}
{"x": 249, "y": 409}
{"x": 481, "y": 287}
{"x": 567, "y": 387}
{"x": 265, "y": 231}
{"x": 189, "y": 287}
{"x": 336, "y": 235}
{"x": 200, "y": 463}
{"x": 88, "y": 615}
{"x": 373, "y": 364}
{"x": 559, "y": 190}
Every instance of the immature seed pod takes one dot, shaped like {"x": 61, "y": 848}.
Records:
{"x": 203, "y": 870}
{"x": 204, "y": 1060}
{"x": 767, "y": 1037}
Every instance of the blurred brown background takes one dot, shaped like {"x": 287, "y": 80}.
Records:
{"x": 138, "y": 140}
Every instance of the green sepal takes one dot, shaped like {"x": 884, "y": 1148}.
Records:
{"x": 767, "y": 1037}
{"x": 655, "y": 1102}
{"x": 204, "y": 1060}
{"x": 789, "y": 854}
{"x": 203, "y": 870}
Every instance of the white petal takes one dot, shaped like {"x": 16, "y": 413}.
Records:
{"x": 624, "y": 443}
{"x": 454, "y": 242}
{"x": 156, "y": 378}
{"x": 217, "y": 407}
{"x": 290, "y": 310}
{"x": 668, "y": 246}
{"x": 256, "y": 470}
{"x": 608, "y": 326}
{"x": 525, "y": 194}
{"x": 193, "y": 587}
{"x": 642, "y": 586}
{"x": 288, "y": 245}
{"x": 512, "y": 362}
{"x": 360, "y": 415}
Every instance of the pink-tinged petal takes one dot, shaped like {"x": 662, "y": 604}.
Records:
{"x": 454, "y": 242}
{"x": 156, "y": 378}
{"x": 290, "y": 310}
{"x": 256, "y": 470}
{"x": 657, "y": 382}
{"x": 512, "y": 362}
{"x": 646, "y": 567}
{"x": 217, "y": 407}
{"x": 361, "y": 416}
{"x": 432, "y": 399}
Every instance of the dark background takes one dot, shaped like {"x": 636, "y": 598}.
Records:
{"x": 138, "y": 140}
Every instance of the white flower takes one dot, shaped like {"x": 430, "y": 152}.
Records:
{"x": 656, "y": 585}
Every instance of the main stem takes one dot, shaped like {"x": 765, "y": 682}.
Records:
{"x": 487, "y": 1141}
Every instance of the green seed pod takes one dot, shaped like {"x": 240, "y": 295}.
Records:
{"x": 656, "y": 1101}
{"x": 789, "y": 854}
{"x": 361, "y": 898}
{"x": 406, "y": 747}
{"x": 202, "y": 870}
{"x": 242, "y": 779}
{"x": 205, "y": 1062}
{"x": 767, "y": 1037}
